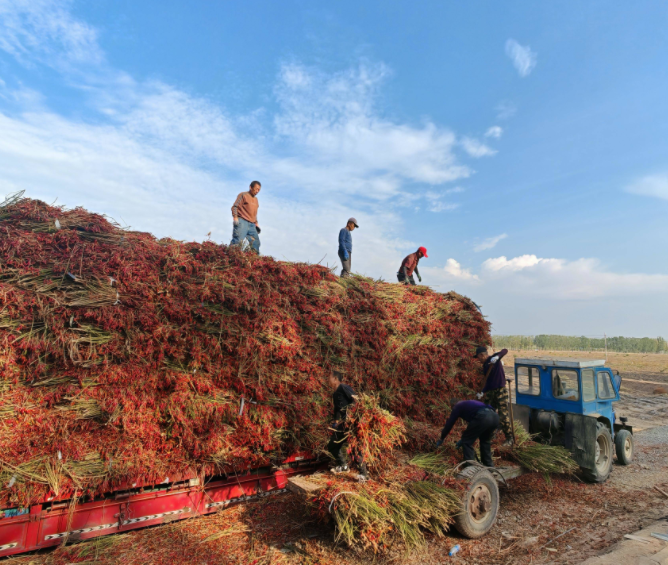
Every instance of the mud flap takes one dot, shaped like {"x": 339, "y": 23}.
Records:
{"x": 521, "y": 415}
{"x": 619, "y": 427}
{"x": 580, "y": 439}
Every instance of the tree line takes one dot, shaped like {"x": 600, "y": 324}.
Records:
{"x": 574, "y": 343}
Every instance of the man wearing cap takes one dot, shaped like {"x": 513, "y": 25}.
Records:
{"x": 244, "y": 216}
{"x": 346, "y": 246}
{"x": 495, "y": 391}
{"x": 410, "y": 264}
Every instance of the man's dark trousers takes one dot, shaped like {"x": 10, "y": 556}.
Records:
{"x": 482, "y": 427}
{"x": 403, "y": 278}
{"x": 338, "y": 447}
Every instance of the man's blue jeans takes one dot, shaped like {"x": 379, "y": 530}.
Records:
{"x": 245, "y": 230}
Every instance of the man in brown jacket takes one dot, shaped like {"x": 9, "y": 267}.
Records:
{"x": 244, "y": 215}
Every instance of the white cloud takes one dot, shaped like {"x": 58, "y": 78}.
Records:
{"x": 454, "y": 270}
{"x": 489, "y": 243}
{"x": 522, "y": 57}
{"x": 476, "y": 148}
{"x": 332, "y": 122}
{"x": 651, "y": 185}
{"x": 505, "y": 109}
{"x": 494, "y": 132}
{"x": 45, "y": 30}
{"x": 514, "y": 264}
{"x": 436, "y": 202}
{"x": 582, "y": 279}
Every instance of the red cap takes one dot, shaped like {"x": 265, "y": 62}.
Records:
{"x": 424, "y": 251}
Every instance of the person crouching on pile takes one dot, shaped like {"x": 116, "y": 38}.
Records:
{"x": 483, "y": 422}
{"x": 495, "y": 391}
{"x": 342, "y": 397}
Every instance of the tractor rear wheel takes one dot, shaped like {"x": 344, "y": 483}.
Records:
{"x": 624, "y": 447}
{"x": 603, "y": 447}
{"x": 480, "y": 503}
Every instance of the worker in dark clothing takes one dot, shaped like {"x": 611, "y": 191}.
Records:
{"x": 409, "y": 265}
{"x": 495, "y": 391}
{"x": 346, "y": 246}
{"x": 482, "y": 421}
{"x": 342, "y": 398}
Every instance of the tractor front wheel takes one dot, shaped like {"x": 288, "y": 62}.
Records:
{"x": 604, "y": 454}
{"x": 624, "y": 447}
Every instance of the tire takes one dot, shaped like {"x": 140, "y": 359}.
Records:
{"x": 624, "y": 447}
{"x": 604, "y": 453}
{"x": 480, "y": 503}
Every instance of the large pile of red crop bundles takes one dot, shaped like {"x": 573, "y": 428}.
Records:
{"x": 125, "y": 358}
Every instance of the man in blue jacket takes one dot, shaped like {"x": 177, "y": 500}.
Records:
{"x": 482, "y": 420}
{"x": 346, "y": 246}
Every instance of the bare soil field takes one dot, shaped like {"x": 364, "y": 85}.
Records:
{"x": 558, "y": 520}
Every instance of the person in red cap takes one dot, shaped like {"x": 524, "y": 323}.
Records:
{"x": 410, "y": 264}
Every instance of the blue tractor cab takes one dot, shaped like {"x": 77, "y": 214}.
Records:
{"x": 569, "y": 402}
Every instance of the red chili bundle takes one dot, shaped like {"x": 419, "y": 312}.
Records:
{"x": 127, "y": 359}
{"x": 373, "y": 432}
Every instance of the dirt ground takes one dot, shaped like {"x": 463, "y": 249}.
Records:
{"x": 560, "y": 520}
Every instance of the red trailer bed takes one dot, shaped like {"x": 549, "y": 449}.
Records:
{"x": 45, "y": 525}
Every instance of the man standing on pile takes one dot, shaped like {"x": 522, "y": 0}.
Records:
{"x": 410, "y": 264}
{"x": 343, "y": 397}
{"x": 495, "y": 391}
{"x": 346, "y": 246}
{"x": 244, "y": 215}
{"x": 482, "y": 421}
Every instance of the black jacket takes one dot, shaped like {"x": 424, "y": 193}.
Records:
{"x": 342, "y": 397}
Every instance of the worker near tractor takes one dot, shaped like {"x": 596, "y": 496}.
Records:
{"x": 342, "y": 398}
{"x": 244, "y": 216}
{"x": 495, "y": 391}
{"x": 346, "y": 246}
{"x": 410, "y": 265}
{"x": 482, "y": 423}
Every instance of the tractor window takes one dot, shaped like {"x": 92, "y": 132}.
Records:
{"x": 605, "y": 390}
{"x": 588, "y": 385}
{"x": 565, "y": 384}
{"x": 528, "y": 380}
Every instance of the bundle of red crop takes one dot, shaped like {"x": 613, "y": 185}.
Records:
{"x": 125, "y": 358}
{"x": 373, "y": 432}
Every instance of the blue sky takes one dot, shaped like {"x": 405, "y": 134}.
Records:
{"x": 524, "y": 144}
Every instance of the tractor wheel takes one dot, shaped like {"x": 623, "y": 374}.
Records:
{"x": 480, "y": 503}
{"x": 624, "y": 447}
{"x": 603, "y": 448}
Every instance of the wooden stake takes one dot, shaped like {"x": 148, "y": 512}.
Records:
{"x": 510, "y": 410}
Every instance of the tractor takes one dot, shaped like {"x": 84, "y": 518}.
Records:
{"x": 566, "y": 402}
{"x": 569, "y": 402}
